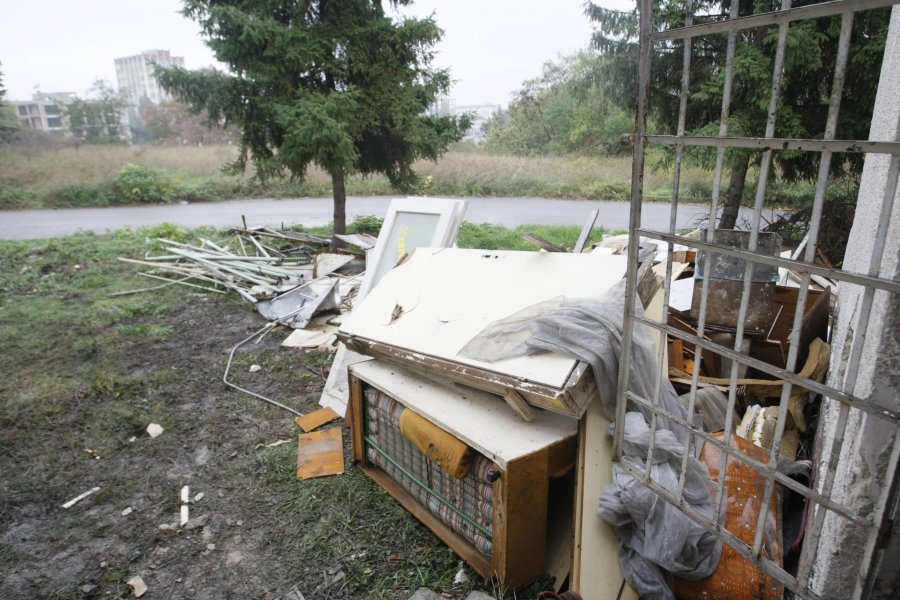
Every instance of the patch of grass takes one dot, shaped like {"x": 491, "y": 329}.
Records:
{"x": 496, "y": 237}
{"x": 86, "y": 370}
{"x": 380, "y": 547}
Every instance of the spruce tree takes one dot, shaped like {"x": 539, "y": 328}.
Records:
{"x": 335, "y": 83}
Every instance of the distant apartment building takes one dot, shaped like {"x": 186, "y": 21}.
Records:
{"x": 44, "y": 111}
{"x": 134, "y": 76}
{"x": 480, "y": 114}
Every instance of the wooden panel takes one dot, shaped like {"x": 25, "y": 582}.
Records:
{"x": 356, "y": 416}
{"x": 520, "y": 520}
{"x": 569, "y": 401}
{"x": 441, "y": 298}
{"x": 561, "y": 457}
{"x": 481, "y": 420}
{"x": 459, "y": 544}
{"x": 320, "y": 453}
{"x": 595, "y": 564}
{"x": 316, "y": 419}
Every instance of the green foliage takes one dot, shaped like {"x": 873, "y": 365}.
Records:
{"x": 496, "y": 237}
{"x": 565, "y": 110}
{"x": 366, "y": 224}
{"x": 175, "y": 123}
{"x": 806, "y": 83}
{"x": 140, "y": 184}
{"x": 98, "y": 119}
{"x": 336, "y": 84}
{"x": 9, "y": 119}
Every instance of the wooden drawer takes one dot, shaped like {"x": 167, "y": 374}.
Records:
{"x": 501, "y": 527}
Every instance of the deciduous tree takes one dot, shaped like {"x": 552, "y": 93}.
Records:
{"x": 98, "y": 119}
{"x": 9, "y": 120}
{"x": 806, "y": 87}
{"x": 563, "y": 111}
{"x": 336, "y": 83}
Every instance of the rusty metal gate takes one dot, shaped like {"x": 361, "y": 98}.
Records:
{"x": 820, "y": 495}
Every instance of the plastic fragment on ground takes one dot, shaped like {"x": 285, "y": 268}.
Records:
{"x": 138, "y": 587}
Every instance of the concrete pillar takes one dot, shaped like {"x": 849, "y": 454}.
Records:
{"x": 841, "y": 559}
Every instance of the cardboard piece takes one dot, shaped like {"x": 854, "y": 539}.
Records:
{"x": 324, "y": 335}
{"x": 320, "y": 454}
{"x": 316, "y": 419}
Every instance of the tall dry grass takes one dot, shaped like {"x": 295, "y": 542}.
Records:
{"x": 72, "y": 176}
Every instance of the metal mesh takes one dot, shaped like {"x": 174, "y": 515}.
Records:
{"x": 821, "y": 498}
{"x": 464, "y": 504}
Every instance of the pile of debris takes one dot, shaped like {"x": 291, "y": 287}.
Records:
{"x": 479, "y": 387}
{"x": 285, "y": 274}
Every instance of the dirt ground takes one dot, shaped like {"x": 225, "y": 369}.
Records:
{"x": 256, "y": 532}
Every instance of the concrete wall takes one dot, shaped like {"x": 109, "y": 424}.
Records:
{"x": 864, "y": 455}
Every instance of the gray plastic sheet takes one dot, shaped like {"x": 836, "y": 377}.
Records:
{"x": 656, "y": 539}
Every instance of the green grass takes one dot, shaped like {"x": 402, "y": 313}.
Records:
{"x": 82, "y": 369}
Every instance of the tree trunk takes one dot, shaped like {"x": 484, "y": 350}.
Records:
{"x": 340, "y": 201}
{"x": 732, "y": 204}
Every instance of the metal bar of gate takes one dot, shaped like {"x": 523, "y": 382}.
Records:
{"x": 812, "y": 11}
{"x": 806, "y": 145}
{"x": 871, "y": 280}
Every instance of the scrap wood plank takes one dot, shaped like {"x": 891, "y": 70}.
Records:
{"x": 586, "y": 231}
{"x": 518, "y": 404}
{"x": 316, "y": 419}
{"x": 541, "y": 242}
{"x": 320, "y": 453}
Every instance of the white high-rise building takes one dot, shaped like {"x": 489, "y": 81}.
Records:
{"x": 134, "y": 75}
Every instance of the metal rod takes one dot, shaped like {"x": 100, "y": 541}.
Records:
{"x": 807, "y": 145}
{"x": 711, "y": 235}
{"x": 813, "y": 11}
{"x": 262, "y": 330}
{"x": 637, "y": 187}
{"x": 818, "y": 203}
{"x": 759, "y": 466}
{"x": 676, "y": 185}
{"x": 888, "y": 285}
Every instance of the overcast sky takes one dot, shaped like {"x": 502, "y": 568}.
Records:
{"x": 490, "y": 46}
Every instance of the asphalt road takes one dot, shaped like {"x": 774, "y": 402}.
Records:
{"x": 509, "y": 212}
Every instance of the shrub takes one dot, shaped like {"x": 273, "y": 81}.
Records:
{"x": 365, "y": 224}
{"x": 142, "y": 184}
{"x": 77, "y": 195}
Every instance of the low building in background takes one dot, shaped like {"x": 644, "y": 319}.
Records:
{"x": 45, "y": 111}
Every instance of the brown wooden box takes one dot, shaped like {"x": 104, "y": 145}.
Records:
{"x": 527, "y": 456}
